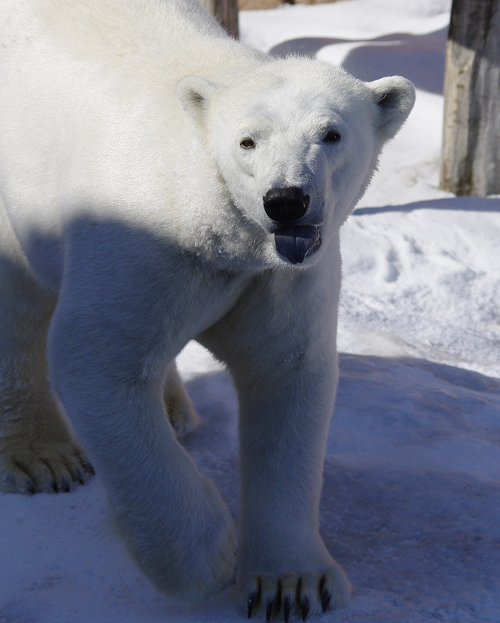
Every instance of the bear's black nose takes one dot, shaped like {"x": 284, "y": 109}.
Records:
{"x": 285, "y": 204}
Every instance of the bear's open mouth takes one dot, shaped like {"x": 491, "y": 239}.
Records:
{"x": 297, "y": 243}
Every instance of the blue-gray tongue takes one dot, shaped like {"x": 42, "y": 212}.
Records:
{"x": 296, "y": 243}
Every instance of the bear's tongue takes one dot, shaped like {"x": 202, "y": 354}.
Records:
{"x": 297, "y": 243}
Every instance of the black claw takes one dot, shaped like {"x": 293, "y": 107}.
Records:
{"x": 89, "y": 468}
{"x": 65, "y": 486}
{"x": 326, "y": 598}
{"x": 30, "y": 488}
{"x": 251, "y": 600}
{"x": 55, "y": 488}
{"x": 269, "y": 610}
{"x": 305, "y": 606}
{"x": 287, "y": 606}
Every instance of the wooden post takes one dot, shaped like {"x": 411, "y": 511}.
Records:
{"x": 226, "y": 13}
{"x": 471, "y": 134}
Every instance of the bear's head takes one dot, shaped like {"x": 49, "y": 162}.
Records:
{"x": 296, "y": 142}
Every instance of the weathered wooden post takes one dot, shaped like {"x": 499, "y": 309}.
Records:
{"x": 471, "y": 135}
{"x": 225, "y": 11}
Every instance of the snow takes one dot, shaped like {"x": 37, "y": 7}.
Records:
{"x": 411, "y": 500}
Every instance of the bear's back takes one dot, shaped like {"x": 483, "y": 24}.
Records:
{"x": 175, "y": 36}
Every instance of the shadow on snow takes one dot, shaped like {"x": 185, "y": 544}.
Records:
{"x": 420, "y": 58}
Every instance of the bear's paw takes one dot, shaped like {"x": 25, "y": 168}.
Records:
{"x": 278, "y": 596}
{"x": 188, "y": 554}
{"x": 44, "y": 467}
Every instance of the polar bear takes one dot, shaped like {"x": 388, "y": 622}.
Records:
{"x": 161, "y": 182}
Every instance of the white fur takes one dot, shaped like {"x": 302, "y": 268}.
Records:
{"x": 129, "y": 205}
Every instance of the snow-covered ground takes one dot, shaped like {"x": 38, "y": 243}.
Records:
{"x": 411, "y": 500}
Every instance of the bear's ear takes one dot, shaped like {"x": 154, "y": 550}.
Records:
{"x": 394, "y": 98}
{"x": 194, "y": 95}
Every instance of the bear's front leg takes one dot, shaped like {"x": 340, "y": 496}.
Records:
{"x": 116, "y": 327}
{"x": 283, "y": 563}
{"x": 279, "y": 342}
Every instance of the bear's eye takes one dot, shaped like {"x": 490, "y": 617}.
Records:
{"x": 247, "y": 143}
{"x": 332, "y": 137}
